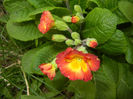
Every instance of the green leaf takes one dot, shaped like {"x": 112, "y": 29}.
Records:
{"x": 100, "y": 24}
{"x": 22, "y": 13}
{"x": 112, "y": 5}
{"x": 105, "y": 88}
{"x": 31, "y": 97}
{"x": 127, "y": 9}
{"x": 40, "y": 3}
{"x": 40, "y": 10}
{"x": 23, "y": 31}
{"x": 4, "y": 18}
{"x": 44, "y": 54}
{"x": 12, "y": 5}
{"x": 82, "y": 3}
{"x": 58, "y": 82}
{"x": 117, "y": 44}
{"x": 129, "y": 54}
{"x": 109, "y": 80}
{"x": 19, "y": 10}
{"x": 83, "y": 90}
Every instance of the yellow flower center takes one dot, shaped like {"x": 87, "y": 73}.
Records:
{"x": 77, "y": 63}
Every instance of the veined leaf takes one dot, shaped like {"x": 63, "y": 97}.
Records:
{"x": 19, "y": 10}
{"x": 127, "y": 9}
{"x": 45, "y": 54}
{"x": 23, "y": 31}
{"x": 117, "y": 44}
{"x": 100, "y": 24}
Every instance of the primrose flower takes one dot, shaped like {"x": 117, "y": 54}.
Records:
{"x": 75, "y": 19}
{"x": 77, "y": 65}
{"x": 48, "y": 69}
{"x": 46, "y": 22}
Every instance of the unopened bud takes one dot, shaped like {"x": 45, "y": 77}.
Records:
{"x": 75, "y": 19}
{"x": 58, "y": 38}
{"x": 77, "y": 42}
{"x": 60, "y": 25}
{"x": 82, "y": 48}
{"x": 77, "y": 8}
{"x": 91, "y": 42}
{"x": 75, "y": 35}
{"x": 69, "y": 42}
{"x": 67, "y": 18}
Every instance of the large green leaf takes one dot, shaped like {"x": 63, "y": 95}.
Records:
{"x": 58, "y": 82}
{"x": 117, "y": 44}
{"x": 83, "y": 90}
{"x": 129, "y": 54}
{"x": 82, "y": 3}
{"x": 127, "y": 9}
{"x": 45, "y": 54}
{"x": 40, "y": 3}
{"x": 40, "y": 10}
{"x": 23, "y": 31}
{"x": 100, "y": 24}
{"x": 112, "y": 82}
{"x": 19, "y": 10}
{"x": 12, "y": 5}
{"x": 112, "y": 5}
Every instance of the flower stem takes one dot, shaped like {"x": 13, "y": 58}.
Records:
{"x": 69, "y": 30}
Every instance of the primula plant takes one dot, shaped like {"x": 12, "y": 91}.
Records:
{"x": 80, "y": 49}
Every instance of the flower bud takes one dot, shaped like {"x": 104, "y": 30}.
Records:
{"x": 75, "y": 35}
{"x": 58, "y": 38}
{"x": 69, "y": 42}
{"x": 60, "y": 25}
{"x": 77, "y": 8}
{"x": 77, "y": 42}
{"x": 75, "y": 19}
{"x": 67, "y": 18}
{"x": 82, "y": 48}
{"x": 91, "y": 42}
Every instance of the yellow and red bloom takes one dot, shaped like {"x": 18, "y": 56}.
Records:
{"x": 75, "y": 19}
{"x": 77, "y": 65}
{"x": 46, "y": 22}
{"x": 48, "y": 69}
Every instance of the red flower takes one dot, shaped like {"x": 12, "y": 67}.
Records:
{"x": 77, "y": 65}
{"x": 48, "y": 69}
{"x": 46, "y": 22}
{"x": 75, "y": 19}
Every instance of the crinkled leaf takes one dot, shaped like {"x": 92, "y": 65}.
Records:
{"x": 100, "y": 24}
{"x": 45, "y": 54}
{"x": 40, "y": 3}
{"x": 112, "y": 5}
{"x": 117, "y": 44}
{"x": 83, "y": 90}
{"x": 129, "y": 54}
{"x": 127, "y": 9}
{"x": 23, "y": 31}
{"x": 19, "y": 10}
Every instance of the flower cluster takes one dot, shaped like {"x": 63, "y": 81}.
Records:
{"x": 74, "y": 63}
